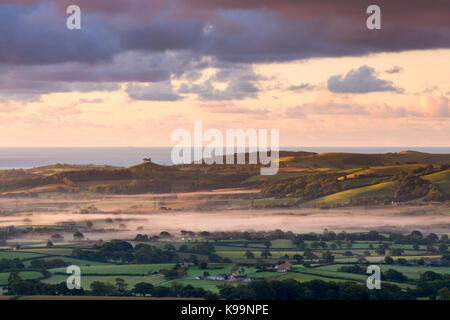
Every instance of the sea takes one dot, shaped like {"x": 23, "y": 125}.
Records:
{"x": 31, "y": 157}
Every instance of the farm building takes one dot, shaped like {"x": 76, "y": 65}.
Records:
{"x": 283, "y": 266}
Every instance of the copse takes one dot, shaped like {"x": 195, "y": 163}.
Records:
{"x": 123, "y": 251}
{"x": 311, "y": 290}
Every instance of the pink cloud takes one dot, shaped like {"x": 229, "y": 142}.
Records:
{"x": 435, "y": 107}
{"x": 429, "y": 107}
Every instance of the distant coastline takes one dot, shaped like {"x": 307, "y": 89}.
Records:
{"x": 30, "y": 157}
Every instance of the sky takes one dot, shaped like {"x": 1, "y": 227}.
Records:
{"x": 138, "y": 70}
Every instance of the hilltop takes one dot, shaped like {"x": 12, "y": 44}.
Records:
{"x": 304, "y": 178}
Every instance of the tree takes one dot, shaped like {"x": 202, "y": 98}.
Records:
{"x": 249, "y": 255}
{"x": 298, "y": 243}
{"x": 141, "y": 237}
{"x": 443, "y": 294}
{"x": 416, "y": 235}
{"x": 348, "y": 254}
{"x": 143, "y": 288}
{"x": 396, "y": 251}
{"x": 298, "y": 258}
{"x": 170, "y": 247}
{"x": 211, "y": 296}
{"x": 388, "y": 260}
{"x": 309, "y": 255}
{"x": 380, "y": 250}
{"x": 432, "y": 238}
{"x": 165, "y": 234}
{"x": 57, "y": 237}
{"x": 394, "y": 275}
{"x": 443, "y": 248}
{"x": 267, "y": 244}
{"x": 265, "y": 253}
{"x": 121, "y": 285}
{"x": 348, "y": 243}
{"x": 101, "y": 289}
{"x": 315, "y": 245}
{"x": 13, "y": 279}
{"x": 77, "y": 235}
{"x": 328, "y": 257}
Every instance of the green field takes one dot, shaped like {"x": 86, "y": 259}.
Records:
{"x": 51, "y": 251}
{"x": 139, "y": 269}
{"x": 441, "y": 179}
{"x": 209, "y": 285}
{"x": 385, "y": 189}
{"x": 86, "y": 281}
{"x": 26, "y": 275}
{"x": 19, "y": 255}
{"x": 414, "y": 272}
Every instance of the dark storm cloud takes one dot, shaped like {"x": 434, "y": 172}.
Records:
{"x": 435, "y": 12}
{"x": 331, "y": 24}
{"x": 161, "y": 36}
{"x": 37, "y": 35}
{"x": 172, "y": 38}
{"x": 236, "y": 31}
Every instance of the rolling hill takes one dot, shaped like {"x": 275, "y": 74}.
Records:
{"x": 310, "y": 178}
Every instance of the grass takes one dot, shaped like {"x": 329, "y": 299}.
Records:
{"x": 277, "y": 244}
{"x": 74, "y": 261}
{"x": 209, "y": 285}
{"x": 51, "y": 251}
{"x": 25, "y": 275}
{"x": 385, "y": 189}
{"x": 357, "y": 183}
{"x": 213, "y": 269}
{"x": 257, "y": 253}
{"x": 301, "y": 277}
{"x": 384, "y": 170}
{"x": 137, "y": 269}
{"x": 441, "y": 179}
{"x": 86, "y": 281}
{"x": 19, "y": 255}
{"x": 414, "y": 272}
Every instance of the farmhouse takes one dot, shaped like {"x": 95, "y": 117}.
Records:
{"x": 283, "y": 266}
{"x": 239, "y": 278}
{"x": 432, "y": 261}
